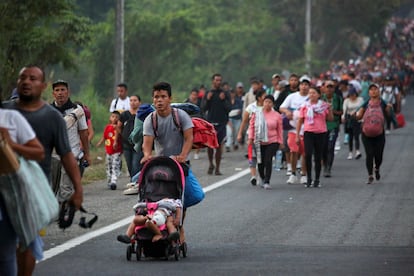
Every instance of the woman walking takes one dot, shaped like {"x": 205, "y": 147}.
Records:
{"x": 353, "y": 126}
{"x": 266, "y": 134}
{"x": 373, "y": 113}
{"x": 313, "y": 114}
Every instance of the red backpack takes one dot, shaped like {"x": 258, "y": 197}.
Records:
{"x": 204, "y": 133}
{"x": 373, "y": 120}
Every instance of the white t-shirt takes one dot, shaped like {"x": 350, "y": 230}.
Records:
{"x": 293, "y": 102}
{"x": 119, "y": 104}
{"x": 20, "y": 130}
{"x": 388, "y": 94}
{"x": 252, "y": 108}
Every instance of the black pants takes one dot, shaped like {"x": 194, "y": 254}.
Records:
{"x": 314, "y": 145}
{"x": 354, "y": 133}
{"x": 374, "y": 149}
{"x": 265, "y": 167}
{"x": 329, "y": 147}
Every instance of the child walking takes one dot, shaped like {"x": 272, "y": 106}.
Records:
{"x": 113, "y": 149}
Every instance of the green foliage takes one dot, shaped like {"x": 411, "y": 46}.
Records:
{"x": 38, "y": 32}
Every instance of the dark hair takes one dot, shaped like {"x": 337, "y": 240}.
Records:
{"x": 260, "y": 93}
{"x": 270, "y": 97}
{"x": 116, "y": 112}
{"x": 316, "y": 89}
{"x": 135, "y": 95}
{"x": 215, "y": 75}
{"x": 194, "y": 90}
{"x": 162, "y": 86}
{"x": 293, "y": 75}
{"x": 123, "y": 84}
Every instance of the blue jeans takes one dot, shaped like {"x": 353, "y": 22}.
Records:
{"x": 132, "y": 159}
{"x": 232, "y": 129}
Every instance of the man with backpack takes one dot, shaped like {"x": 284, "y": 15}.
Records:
{"x": 373, "y": 113}
{"x": 391, "y": 95}
{"x": 120, "y": 103}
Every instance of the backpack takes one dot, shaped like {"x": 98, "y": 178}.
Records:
{"x": 204, "y": 133}
{"x": 128, "y": 126}
{"x": 373, "y": 120}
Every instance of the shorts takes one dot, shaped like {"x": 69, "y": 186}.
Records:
{"x": 292, "y": 143}
{"x": 221, "y": 132}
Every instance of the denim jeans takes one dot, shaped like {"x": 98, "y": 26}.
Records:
{"x": 232, "y": 130}
{"x": 132, "y": 159}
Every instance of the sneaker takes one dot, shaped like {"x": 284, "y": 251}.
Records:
{"x": 130, "y": 185}
{"x": 266, "y": 186}
{"x": 124, "y": 239}
{"x": 337, "y": 145}
{"x": 253, "y": 181}
{"x": 358, "y": 154}
{"x": 350, "y": 156}
{"x": 303, "y": 179}
{"x": 292, "y": 179}
{"x": 227, "y": 149}
{"x": 112, "y": 186}
{"x": 131, "y": 191}
{"x": 196, "y": 156}
{"x": 370, "y": 179}
{"x": 317, "y": 184}
{"x": 289, "y": 169}
{"x": 308, "y": 183}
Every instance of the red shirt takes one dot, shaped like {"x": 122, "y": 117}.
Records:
{"x": 109, "y": 135}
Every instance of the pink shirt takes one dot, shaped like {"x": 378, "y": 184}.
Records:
{"x": 319, "y": 120}
{"x": 274, "y": 127}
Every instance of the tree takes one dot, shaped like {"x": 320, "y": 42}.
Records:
{"x": 44, "y": 32}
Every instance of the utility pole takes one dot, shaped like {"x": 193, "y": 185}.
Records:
{"x": 119, "y": 43}
{"x": 308, "y": 28}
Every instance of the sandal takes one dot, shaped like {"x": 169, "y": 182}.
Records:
{"x": 211, "y": 169}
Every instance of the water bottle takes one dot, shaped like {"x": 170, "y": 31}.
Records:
{"x": 278, "y": 160}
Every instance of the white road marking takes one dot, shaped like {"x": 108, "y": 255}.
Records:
{"x": 101, "y": 231}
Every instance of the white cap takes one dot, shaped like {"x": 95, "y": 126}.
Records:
{"x": 305, "y": 78}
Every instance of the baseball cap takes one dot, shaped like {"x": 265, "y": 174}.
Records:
{"x": 305, "y": 78}
{"x": 275, "y": 76}
{"x": 60, "y": 82}
{"x": 239, "y": 84}
{"x": 352, "y": 91}
{"x": 374, "y": 84}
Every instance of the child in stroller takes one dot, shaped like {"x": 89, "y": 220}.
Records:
{"x": 158, "y": 213}
{"x": 156, "y": 220}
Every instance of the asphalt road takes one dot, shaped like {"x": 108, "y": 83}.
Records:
{"x": 344, "y": 228}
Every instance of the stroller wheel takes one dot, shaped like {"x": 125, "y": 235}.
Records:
{"x": 183, "y": 248}
{"x": 177, "y": 252}
{"x": 129, "y": 252}
{"x": 138, "y": 251}
{"x": 167, "y": 252}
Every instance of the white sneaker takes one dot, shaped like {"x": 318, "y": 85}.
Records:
{"x": 350, "y": 156}
{"x": 130, "y": 185}
{"x": 292, "y": 179}
{"x": 196, "y": 156}
{"x": 289, "y": 169}
{"x": 266, "y": 186}
{"x": 131, "y": 191}
{"x": 337, "y": 145}
{"x": 303, "y": 179}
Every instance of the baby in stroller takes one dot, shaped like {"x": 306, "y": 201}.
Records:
{"x": 158, "y": 214}
{"x": 165, "y": 213}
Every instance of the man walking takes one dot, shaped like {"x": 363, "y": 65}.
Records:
{"x": 217, "y": 105}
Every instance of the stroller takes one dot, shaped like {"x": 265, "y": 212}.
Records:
{"x": 161, "y": 177}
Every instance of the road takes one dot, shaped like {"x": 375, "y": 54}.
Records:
{"x": 344, "y": 228}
